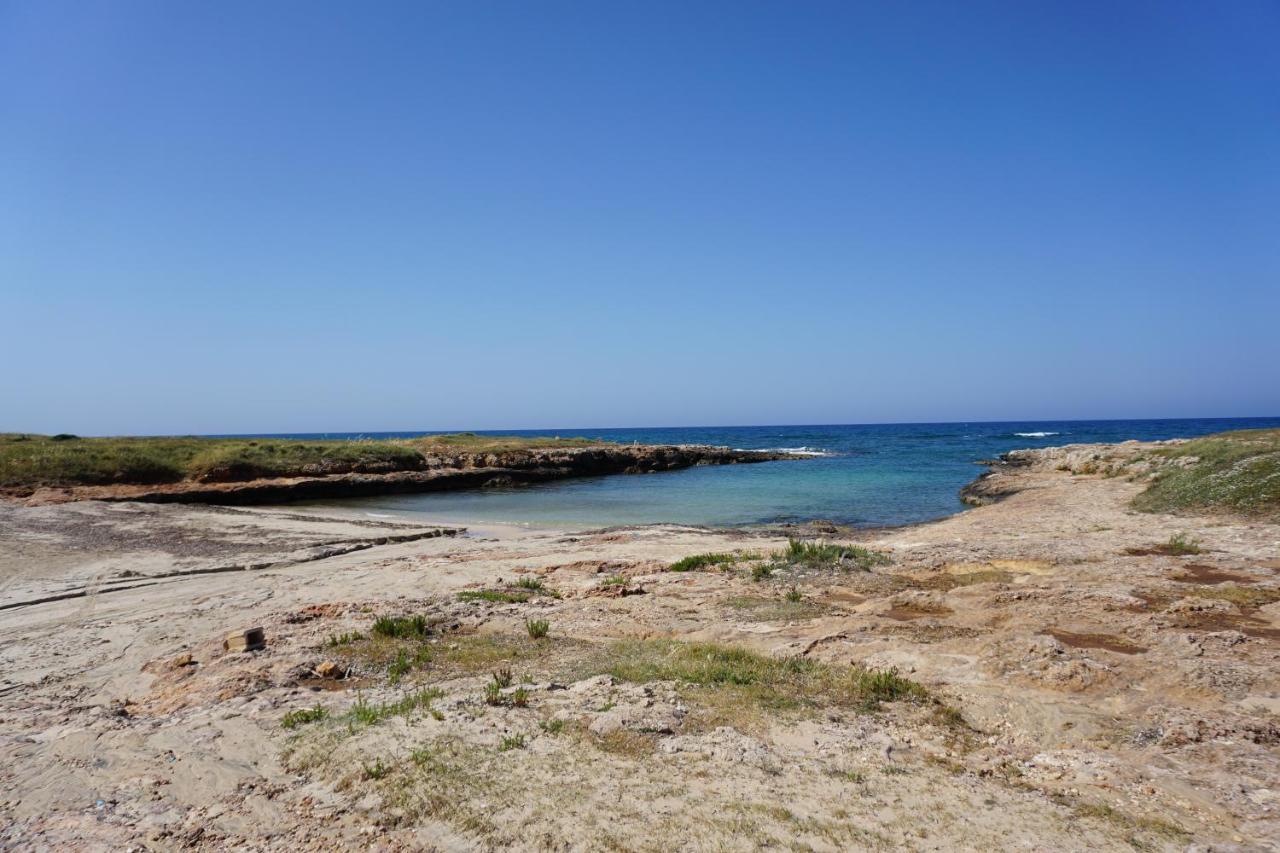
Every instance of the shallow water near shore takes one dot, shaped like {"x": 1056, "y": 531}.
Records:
{"x": 861, "y": 475}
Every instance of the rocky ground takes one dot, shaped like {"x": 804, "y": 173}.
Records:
{"x": 1072, "y": 675}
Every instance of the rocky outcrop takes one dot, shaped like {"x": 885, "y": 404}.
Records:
{"x": 442, "y": 472}
{"x": 1129, "y": 459}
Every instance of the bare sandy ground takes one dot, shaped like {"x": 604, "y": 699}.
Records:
{"x": 1109, "y": 697}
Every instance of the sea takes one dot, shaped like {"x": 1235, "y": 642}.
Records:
{"x": 864, "y": 475}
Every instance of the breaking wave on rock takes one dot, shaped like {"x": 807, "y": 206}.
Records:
{"x": 792, "y": 451}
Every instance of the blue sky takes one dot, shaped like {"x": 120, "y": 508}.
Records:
{"x": 244, "y": 217}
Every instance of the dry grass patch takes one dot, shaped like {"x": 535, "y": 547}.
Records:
{"x": 1179, "y": 545}
{"x": 769, "y": 609}
{"x": 769, "y": 683}
{"x": 1244, "y": 597}
{"x": 1150, "y": 826}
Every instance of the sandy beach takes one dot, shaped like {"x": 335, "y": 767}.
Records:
{"x": 1081, "y": 684}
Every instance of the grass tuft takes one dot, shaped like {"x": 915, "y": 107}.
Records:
{"x": 377, "y": 770}
{"x": 497, "y": 596}
{"x": 537, "y": 628}
{"x": 401, "y": 626}
{"x": 823, "y": 554}
{"x": 346, "y": 638}
{"x": 404, "y": 663}
{"x": 1181, "y": 545}
{"x": 368, "y": 715}
{"x": 697, "y": 562}
{"x": 293, "y": 719}
{"x": 511, "y": 742}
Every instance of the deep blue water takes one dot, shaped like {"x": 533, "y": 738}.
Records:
{"x": 870, "y": 474}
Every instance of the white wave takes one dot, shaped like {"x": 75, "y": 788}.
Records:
{"x": 1035, "y": 434}
{"x": 793, "y": 451}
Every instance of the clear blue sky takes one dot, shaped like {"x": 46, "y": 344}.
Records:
{"x": 249, "y": 216}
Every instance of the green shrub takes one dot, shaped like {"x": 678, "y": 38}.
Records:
{"x": 537, "y": 628}
{"x": 511, "y": 742}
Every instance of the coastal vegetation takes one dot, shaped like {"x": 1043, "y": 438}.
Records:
{"x": 766, "y": 608}
{"x": 1235, "y": 472}
{"x": 799, "y": 554}
{"x": 766, "y": 682}
{"x": 696, "y": 562}
{"x": 760, "y": 680}
{"x": 66, "y": 460}
{"x": 302, "y": 716}
{"x": 822, "y": 554}
{"x": 494, "y": 596}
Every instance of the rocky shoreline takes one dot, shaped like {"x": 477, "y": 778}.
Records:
{"x": 444, "y": 472}
{"x": 1001, "y": 479}
{"x": 1079, "y": 675}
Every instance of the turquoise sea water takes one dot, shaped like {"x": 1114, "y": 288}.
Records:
{"x": 867, "y": 475}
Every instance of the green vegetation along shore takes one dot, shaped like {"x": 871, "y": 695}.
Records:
{"x": 64, "y": 460}
{"x": 1236, "y": 472}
